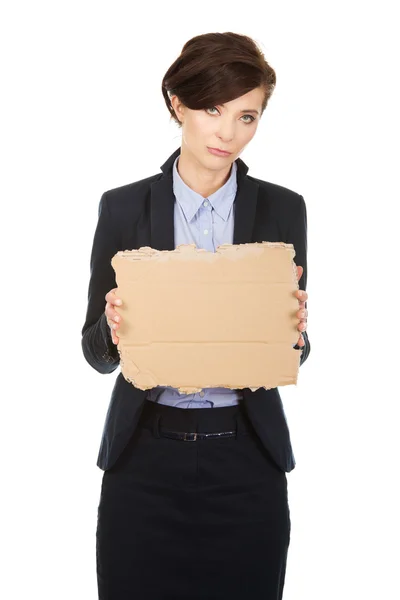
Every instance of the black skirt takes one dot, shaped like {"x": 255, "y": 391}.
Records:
{"x": 189, "y": 520}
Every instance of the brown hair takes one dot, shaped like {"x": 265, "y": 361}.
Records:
{"x": 215, "y": 68}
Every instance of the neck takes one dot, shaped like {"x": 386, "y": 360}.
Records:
{"x": 197, "y": 177}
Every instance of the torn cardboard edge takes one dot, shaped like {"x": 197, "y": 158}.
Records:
{"x": 194, "y": 319}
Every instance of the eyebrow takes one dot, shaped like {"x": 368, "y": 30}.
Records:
{"x": 247, "y": 110}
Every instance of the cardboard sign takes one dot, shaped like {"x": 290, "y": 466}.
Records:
{"x": 194, "y": 319}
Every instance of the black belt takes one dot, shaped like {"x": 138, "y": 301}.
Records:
{"x": 194, "y": 436}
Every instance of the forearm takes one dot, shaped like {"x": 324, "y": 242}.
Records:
{"x": 97, "y": 345}
{"x": 297, "y": 235}
{"x": 98, "y": 348}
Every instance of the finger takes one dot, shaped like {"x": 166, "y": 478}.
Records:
{"x": 111, "y": 314}
{"x": 113, "y": 327}
{"x": 301, "y": 341}
{"x": 116, "y": 318}
{"x": 112, "y": 297}
{"x": 302, "y": 313}
{"x": 109, "y": 295}
{"x": 301, "y": 295}
{"x": 302, "y": 326}
{"x": 114, "y": 321}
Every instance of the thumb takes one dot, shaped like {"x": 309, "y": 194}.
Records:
{"x": 299, "y": 272}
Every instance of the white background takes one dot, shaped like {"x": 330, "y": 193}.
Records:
{"x": 82, "y": 113}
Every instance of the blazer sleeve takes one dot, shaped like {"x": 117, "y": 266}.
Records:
{"x": 298, "y": 237}
{"x": 97, "y": 345}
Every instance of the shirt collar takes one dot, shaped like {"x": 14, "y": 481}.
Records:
{"x": 190, "y": 201}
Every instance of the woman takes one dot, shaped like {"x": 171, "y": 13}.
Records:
{"x": 207, "y": 519}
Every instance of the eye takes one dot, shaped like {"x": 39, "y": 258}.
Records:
{"x": 243, "y": 117}
{"x": 250, "y": 117}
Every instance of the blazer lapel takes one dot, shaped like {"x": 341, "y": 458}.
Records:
{"x": 163, "y": 199}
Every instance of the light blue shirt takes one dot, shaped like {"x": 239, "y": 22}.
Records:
{"x": 208, "y": 223}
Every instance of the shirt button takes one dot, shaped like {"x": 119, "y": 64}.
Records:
{"x": 205, "y": 203}
{"x": 205, "y": 231}
{"x": 201, "y": 394}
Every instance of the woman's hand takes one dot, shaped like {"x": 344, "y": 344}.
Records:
{"x": 303, "y": 312}
{"x": 113, "y": 318}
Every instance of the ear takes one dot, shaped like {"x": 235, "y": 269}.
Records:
{"x": 178, "y": 107}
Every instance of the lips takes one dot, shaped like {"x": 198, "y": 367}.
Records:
{"x": 218, "y": 151}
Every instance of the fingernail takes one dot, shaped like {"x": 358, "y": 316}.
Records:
{"x": 118, "y": 302}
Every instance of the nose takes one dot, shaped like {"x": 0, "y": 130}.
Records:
{"x": 226, "y": 132}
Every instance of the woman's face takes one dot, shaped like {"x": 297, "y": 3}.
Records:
{"x": 227, "y": 127}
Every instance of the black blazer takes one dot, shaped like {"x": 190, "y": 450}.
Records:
{"x": 142, "y": 214}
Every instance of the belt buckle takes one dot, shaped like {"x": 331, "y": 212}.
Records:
{"x": 191, "y": 439}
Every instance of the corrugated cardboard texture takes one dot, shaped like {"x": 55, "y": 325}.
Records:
{"x": 193, "y": 319}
